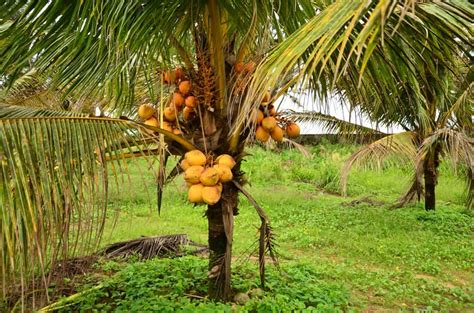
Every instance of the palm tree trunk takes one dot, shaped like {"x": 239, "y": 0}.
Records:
{"x": 220, "y": 227}
{"x": 431, "y": 179}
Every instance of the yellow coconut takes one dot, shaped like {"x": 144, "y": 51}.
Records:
{"x": 211, "y": 194}
{"x": 152, "y": 122}
{"x": 195, "y": 157}
{"x": 184, "y": 87}
{"x": 261, "y": 134}
{"x": 269, "y": 123}
{"x": 258, "y": 116}
{"x": 145, "y": 111}
{"x": 193, "y": 174}
{"x": 195, "y": 193}
{"x": 167, "y": 126}
{"x": 225, "y": 174}
{"x": 184, "y": 164}
{"x": 188, "y": 113}
{"x": 169, "y": 113}
{"x": 210, "y": 177}
{"x": 190, "y": 102}
{"x": 225, "y": 160}
{"x": 277, "y": 134}
{"x": 178, "y": 100}
{"x": 293, "y": 130}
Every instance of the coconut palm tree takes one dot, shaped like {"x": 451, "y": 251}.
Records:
{"x": 54, "y": 166}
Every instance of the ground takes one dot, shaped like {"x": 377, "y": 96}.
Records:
{"x": 336, "y": 253}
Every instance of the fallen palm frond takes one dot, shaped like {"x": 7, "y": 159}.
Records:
{"x": 151, "y": 247}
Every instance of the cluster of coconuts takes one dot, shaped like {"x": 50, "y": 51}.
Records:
{"x": 205, "y": 175}
{"x": 182, "y": 101}
{"x": 270, "y": 124}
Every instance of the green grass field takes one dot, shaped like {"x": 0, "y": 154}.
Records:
{"x": 336, "y": 253}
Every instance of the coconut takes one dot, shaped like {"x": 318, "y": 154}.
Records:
{"x": 249, "y": 67}
{"x": 176, "y": 131}
{"x": 219, "y": 187}
{"x": 188, "y": 113}
{"x": 195, "y": 157}
{"x": 190, "y": 102}
{"x": 225, "y": 160}
{"x": 266, "y": 96}
{"x": 193, "y": 174}
{"x": 179, "y": 74}
{"x": 271, "y": 110}
{"x": 184, "y": 164}
{"x": 277, "y": 134}
{"x": 184, "y": 87}
{"x": 258, "y": 116}
{"x": 145, "y": 111}
{"x": 178, "y": 100}
{"x": 292, "y": 130}
{"x": 239, "y": 67}
{"x": 167, "y": 126}
{"x": 269, "y": 123}
{"x": 261, "y": 134}
{"x": 211, "y": 194}
{"x": 195, "y": 193}
{"x": 169, "y": 113}
{"x": 225, "y": 174}
{"x": 210, "y": 177}
{"x": 152, "y": 122}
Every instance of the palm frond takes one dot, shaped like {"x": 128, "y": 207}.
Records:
{"x": 331, "y": 123}
{"x": 54, "y": 186}
{"x": 400, "y": 147}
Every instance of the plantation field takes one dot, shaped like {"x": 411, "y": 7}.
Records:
{"x": 336, "y": 253}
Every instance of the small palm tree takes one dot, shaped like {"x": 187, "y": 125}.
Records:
{"x": 54, "y": 165}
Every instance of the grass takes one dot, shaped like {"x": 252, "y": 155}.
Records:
{"x": 352, "y": 253}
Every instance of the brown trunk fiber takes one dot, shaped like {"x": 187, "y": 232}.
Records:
{"x": 220, "y": 226}
{"x": 431, "y": 179}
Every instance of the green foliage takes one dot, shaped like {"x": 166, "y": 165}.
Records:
{"x": 405, "y": 259}
{"x": 166, "y": 285}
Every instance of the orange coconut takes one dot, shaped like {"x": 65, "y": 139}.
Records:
{"x": 277, "y": 134}
{"x": 249, "y": 67}
{"x": 145, "y": 111}
{"x": 184, "y": 87}
{"x": 211, "y": 194}
{"x": 169, "y": 114}
{"x": 195, "y": 193}
{"x": 210, "y": 177}
{"x": 258, "y": 116}
{"x": 195, "y": 157}
{"x": 184, "y": 164}
{"x": 190, "y": 102}
{"x": 193, "y": 174}
{"x": 269, "y": 123}
{"x": 167, "y": 126}
{"x": 178, "y": 100}
{"x": 239, "y": 67}
{"x": 188, "y": 113}
{"x": 261, "y": 134}
{"x": 293, "y": 130}
{"x": 152, "y": 122}
{"x": 176, "y": 131}
{"x": 225, "y": 174}
{"x": 225, "y": 160}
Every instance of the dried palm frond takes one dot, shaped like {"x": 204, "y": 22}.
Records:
{"x": 151, "y": 247}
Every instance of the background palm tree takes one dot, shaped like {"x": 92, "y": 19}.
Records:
{"x": 106, "y": 50}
